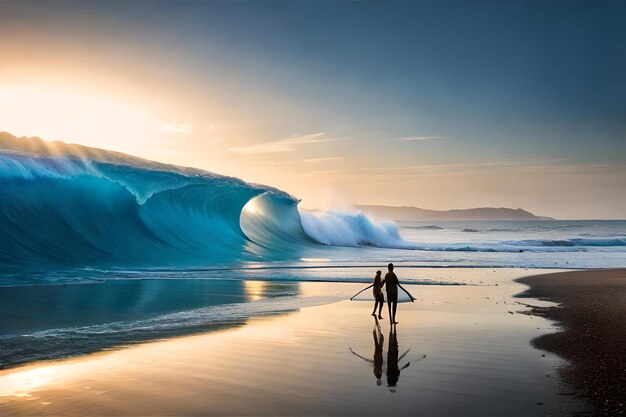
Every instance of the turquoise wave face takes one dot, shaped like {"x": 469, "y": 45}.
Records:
{"x": 86, "y": 213}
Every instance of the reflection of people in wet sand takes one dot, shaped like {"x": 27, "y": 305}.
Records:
{"x": 379, "y": 298}
{"x": 379, "y": 340}
{"x": 393, "y": 357}
{"x": 393, "y": 370}
{"x": 391, "y": 285}
{"x": 393, "y": 367}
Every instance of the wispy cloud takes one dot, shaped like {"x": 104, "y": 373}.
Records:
{"x": 176, "y": 128}
{"x": 524, "y": 168}
{"x": 327, "y": 159}
{"x": 284, "y": 145}
{"x": 418, "y": 138}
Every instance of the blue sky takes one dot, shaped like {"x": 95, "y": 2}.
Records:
{"x": 354, "y": 101}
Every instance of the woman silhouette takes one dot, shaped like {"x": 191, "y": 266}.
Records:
{"x": 379, "y": 298}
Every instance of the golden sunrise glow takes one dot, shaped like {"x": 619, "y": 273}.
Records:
{"x": 148, "y": 92}
{"x": 78, "y": 117}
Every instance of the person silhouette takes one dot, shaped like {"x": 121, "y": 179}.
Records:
{"x": 391, "y": 286}
{"x": 379, "y": 298}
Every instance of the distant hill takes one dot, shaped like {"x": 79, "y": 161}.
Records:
{"x": 418, "y": 214}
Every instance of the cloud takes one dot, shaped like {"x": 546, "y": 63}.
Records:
{"x": 519, "y": 168}
{"x": 330, "y": 158}
{"x": 418, "y": 138}
{"x": 284, "y": 145}
{"x": 176, "y": 128}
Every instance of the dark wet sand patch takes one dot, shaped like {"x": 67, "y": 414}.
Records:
{"x": 592, "y": 312}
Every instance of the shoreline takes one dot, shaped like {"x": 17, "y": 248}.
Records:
{"x": 592, "y": 338}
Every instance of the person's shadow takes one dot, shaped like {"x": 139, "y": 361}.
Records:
{"x": 393, "y": 357}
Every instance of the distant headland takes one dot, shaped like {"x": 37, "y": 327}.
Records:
{"x": 418, "y": 214}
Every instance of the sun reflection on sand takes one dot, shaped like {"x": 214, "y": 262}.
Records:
{"x": 21, "y": 384}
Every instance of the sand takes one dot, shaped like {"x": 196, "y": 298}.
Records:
{"x": 592, "y": 313}
{"x": 466, "y": 353}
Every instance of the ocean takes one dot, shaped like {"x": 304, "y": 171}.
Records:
{"x": 174, "y": 250}
{"x": 65, "y": 219}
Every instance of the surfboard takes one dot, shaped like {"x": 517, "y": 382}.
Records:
{"x": 366, "y": 294}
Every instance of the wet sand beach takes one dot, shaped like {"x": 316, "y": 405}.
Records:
{"x": 458, "y": 351}
{"x": 592, "y": 313}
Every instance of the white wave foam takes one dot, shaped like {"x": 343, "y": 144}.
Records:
{"x": 335, "y": 228}
{"x": 568, "y": 242}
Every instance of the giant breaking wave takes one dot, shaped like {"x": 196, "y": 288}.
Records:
{"x": 72, "y": 210}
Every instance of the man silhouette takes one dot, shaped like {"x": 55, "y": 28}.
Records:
{"x": 391, "y": 285}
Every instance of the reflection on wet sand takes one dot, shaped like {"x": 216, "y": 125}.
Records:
{"x": 377, "y": 362}
{"x": 393, "y": 358}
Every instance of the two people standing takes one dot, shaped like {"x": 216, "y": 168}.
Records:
{"x": 391, "y": 284}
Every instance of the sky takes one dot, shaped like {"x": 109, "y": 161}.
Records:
{"x": 438, "y": 105}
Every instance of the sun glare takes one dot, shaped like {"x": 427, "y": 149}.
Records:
{"x": 20, "y": 384}
{"x": 255, "y": 290}
{"x": 77, "y": 117}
